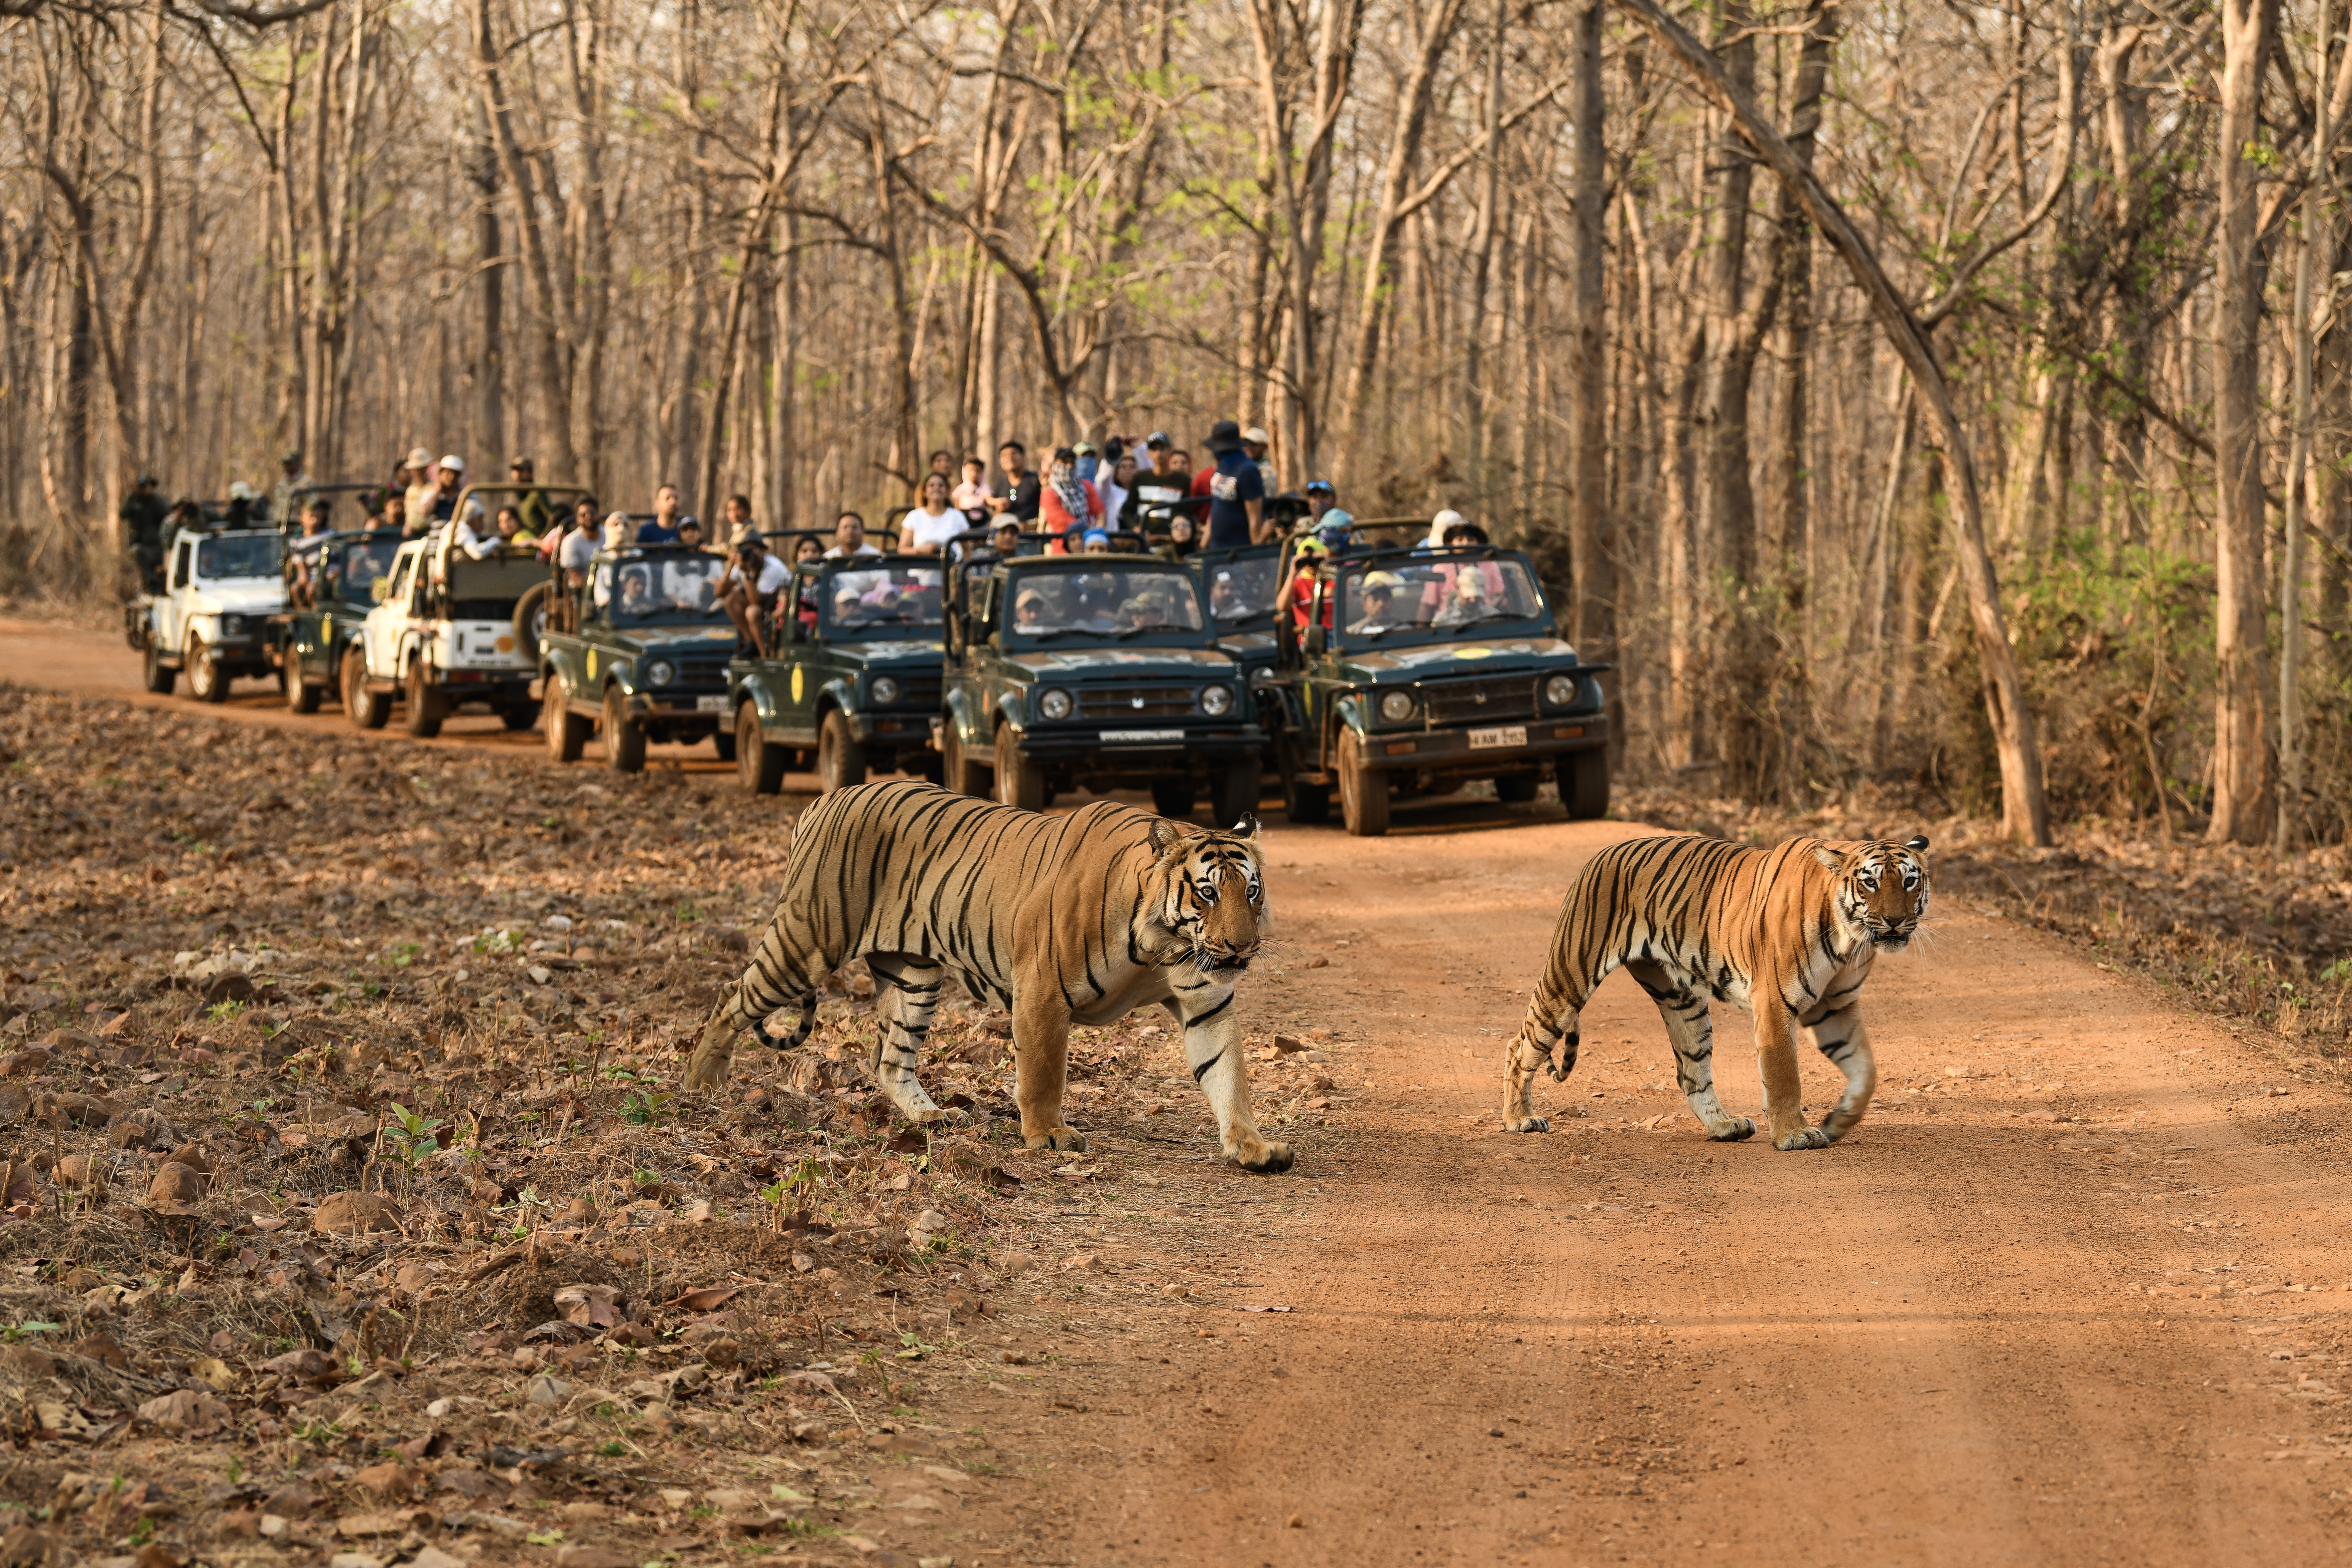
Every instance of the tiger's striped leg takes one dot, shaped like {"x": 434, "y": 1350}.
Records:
{"x": 906, "y": 992}
{"x": 1840, "y": 1037}
{"x": 1691, "y": 1027}
{"x": 1041, "y": 1061}
{"x": 1213, "y": 1048}
{"x": 771, "y": 980}
{"x": 1776, "y": 1054}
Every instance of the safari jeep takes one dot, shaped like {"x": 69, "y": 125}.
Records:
{"x": 441, "y": 637}
{"x": 855, "y": 678}
{"x": 330, "y": 592}
{"x": 1417, "y": 672}
{"x": 212, "y": 619}
{"x": 639, "y": 651}
{"x": 1095, "y": 671}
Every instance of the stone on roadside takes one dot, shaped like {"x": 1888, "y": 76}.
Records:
{"x": 355, "y": 1213}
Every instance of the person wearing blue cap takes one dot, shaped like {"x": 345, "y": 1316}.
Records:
{"x": 1095, "y": 543}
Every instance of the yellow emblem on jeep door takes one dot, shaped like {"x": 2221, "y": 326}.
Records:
{"x": 796, "y": 683}
{"x": 591, "y": 664}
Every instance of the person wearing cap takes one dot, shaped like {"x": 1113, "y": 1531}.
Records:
{"x": 448, "y": 483}
{"x": 1379, "y": 592}
{"x": 533, "y": 507}
{"x": 143, "y": 513}
{"x": 291, "y": 480}
{"x": 1321, "y": 497}
{"x": 1087, "y": 460}
{"x": 1236, "y": 495}
{"x": 1437, "y": 527}
{"x": 417, "y": 496}
{"x": 242, "y": 498}
{"x": 1255, "y": 442}
{"x": 1165, "y": 482}
{"x": 1095, "y": 543}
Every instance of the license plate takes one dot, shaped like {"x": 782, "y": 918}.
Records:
{"x": 1508, "y": 735}
{"x": 1112, "y": 737}
{"x": 710, "y": 705}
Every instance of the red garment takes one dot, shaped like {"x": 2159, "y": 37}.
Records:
{"x": 1057, "y": 520}
{"x": 1200, "y": 480}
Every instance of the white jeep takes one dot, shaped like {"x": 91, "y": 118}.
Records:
{"x": 212, "y": 619}
{"x": 442, "y": 636}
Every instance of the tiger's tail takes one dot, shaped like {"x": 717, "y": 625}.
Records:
{"x": 1548, "y": 1038}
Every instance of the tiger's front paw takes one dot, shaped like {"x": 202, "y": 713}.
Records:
{"x": 1527, "y": 1124}
{"x": 1062, "y": 1139}
{"x": 1802, "y": 1138}
{"x": 1741, "y": 1127}
{"x": 940, "y": 1115}
{"x": 1263, "y": 1158}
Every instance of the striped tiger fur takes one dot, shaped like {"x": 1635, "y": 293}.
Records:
{"x": 1788, "y": 933}
{"x": 1079, "y": 918}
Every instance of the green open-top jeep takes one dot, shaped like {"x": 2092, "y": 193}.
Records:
{"x": 329, "y": 591}
{"x": 1415, "y": 671}
{"x": 638, "y": 649}
{"x": 1100, "y": 671}
{"x": 853, "y": 676}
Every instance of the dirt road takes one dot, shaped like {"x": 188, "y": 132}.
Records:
{"x": 2076, "y": 1292}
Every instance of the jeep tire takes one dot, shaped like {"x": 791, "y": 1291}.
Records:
{"x": 424, "y": 704}
{"x": 624, "y": 738}
{"x": 1173, "y": 797}
{"x": 565, "y": 732}
{"x": 1018, "y": 780}
{"x": 1585, "y": 783}
{"x": 206, "y": 680}
{"x": 840, "y": 759}
{"x": 759, "y": 765}
{"x": 160, "y": 675}
{"x": 957, "y": 771}
{"x": 366, "y": 709}
{"x": 1363, "y": 790}
{"x": 302, "y": 697}
{"x": 722, "y": 741}
{"x": 1233, "y": 792}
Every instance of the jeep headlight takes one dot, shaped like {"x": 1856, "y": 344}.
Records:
{"x": 1396, "y": 706}
{"x": 1560, "y": 690}
{"x": 660, "y": 672}
{"x": 1055, "y": 704}
{"x": 886, "y": 690}
{"x": 1217, "y": 701}
{"x": 232, "y": 625}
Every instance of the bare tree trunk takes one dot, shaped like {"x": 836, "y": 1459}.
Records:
{"x": 1594, "y": 616}
{"x": 2025, "y": 812}
{"x": 2242, "y": 771}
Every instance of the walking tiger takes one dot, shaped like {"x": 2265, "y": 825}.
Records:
{"x": 1080, "y": 918}
{"x": 1788, "y": 933}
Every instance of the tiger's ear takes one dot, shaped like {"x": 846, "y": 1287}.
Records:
{"x": 1247, "y": 828}
{"x": 1830, "y": 858}
{"x": 1917, "y": 841}
{"x": 1165, "y": 835}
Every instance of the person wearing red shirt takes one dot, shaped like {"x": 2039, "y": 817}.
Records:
{"x": 1067, "y": 505}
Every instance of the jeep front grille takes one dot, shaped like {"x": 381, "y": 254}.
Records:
{"x": 1490, "y": 701}
{"x": 710, "y": 672}
{"x": 1108, "y": 702}
{"x": 918, "y": 692}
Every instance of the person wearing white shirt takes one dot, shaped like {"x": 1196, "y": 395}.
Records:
{"x": 748, "y": 590}
{"x": 932, "y": 526}
{"x": 849, "y": 538}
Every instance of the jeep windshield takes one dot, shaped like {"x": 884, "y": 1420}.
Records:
{"x": 879, "y": 598}
{"x": 1240, "y": 591}
{"x": 247, "y": 555}
{"x": 351, "y": 569}
{"x": 1422, "y": 601}
{"x": 658, "y": 589}
{"x": 1105, "y": 604}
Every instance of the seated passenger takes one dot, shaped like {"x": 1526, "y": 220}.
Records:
{"x": 1098, "y": 542}
{"x": 636, "y": 590}
{"x": 1467, "y": 600}
{"x": 1029, "y": 612}
{"x": 1380, "y": 605}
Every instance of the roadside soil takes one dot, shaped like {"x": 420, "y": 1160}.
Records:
{"x": 2077, "y": 1291}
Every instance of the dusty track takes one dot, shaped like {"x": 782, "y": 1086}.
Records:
{"x": 2077, "y": 1291}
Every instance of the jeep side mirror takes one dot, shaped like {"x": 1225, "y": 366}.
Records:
{"x": 380, "y": 589}
{"x": 1315, "y": 640}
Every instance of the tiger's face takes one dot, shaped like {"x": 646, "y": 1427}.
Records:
{"x": 1880, "y": 890}
{"x": 1212, "y": 902}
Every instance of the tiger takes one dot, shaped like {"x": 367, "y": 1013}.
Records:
{"x": 1075, "y": 919}
{"x": 1788, "y": 933}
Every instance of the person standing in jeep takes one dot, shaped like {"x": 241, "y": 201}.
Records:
{"x": 1236, "y": 494}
